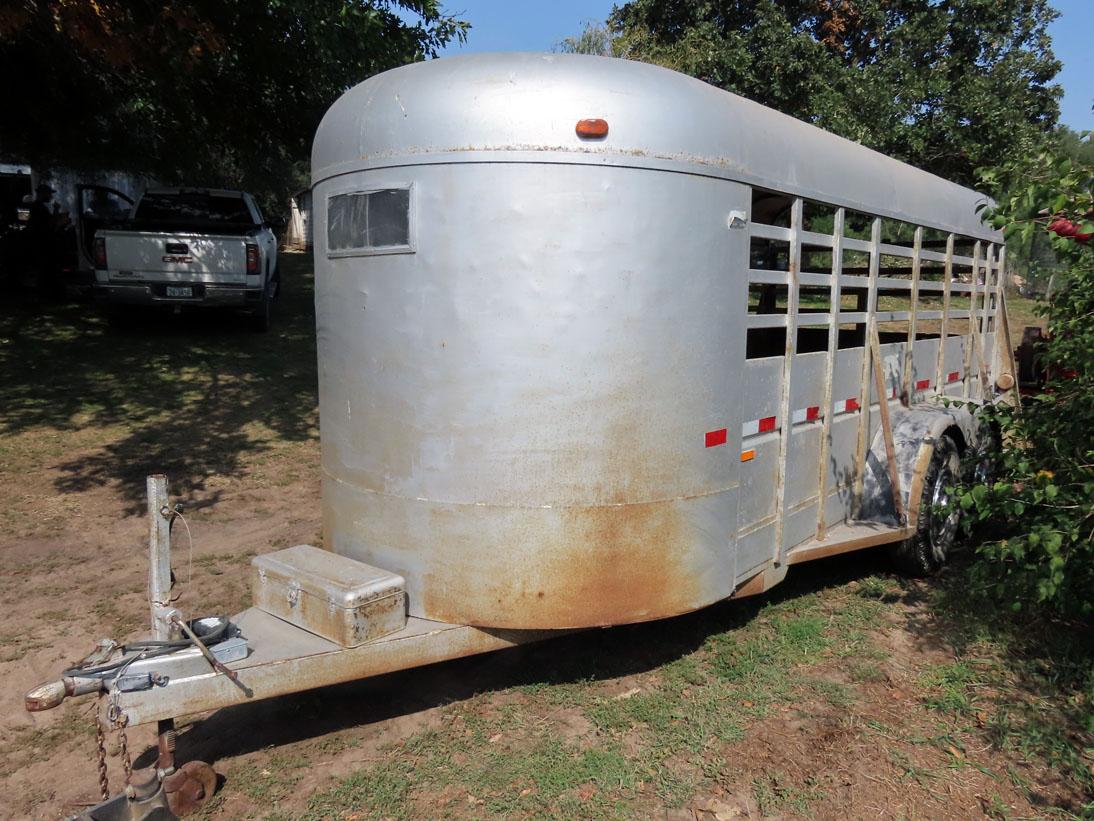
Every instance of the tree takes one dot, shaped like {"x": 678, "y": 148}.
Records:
{"x": 595, "y": 38}
{"x": 1045, "y": 492}
{"x": 947, "y": 86}
{"x": 196, "y": 91}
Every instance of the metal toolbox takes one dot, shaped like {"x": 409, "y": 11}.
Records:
{"x": 338, "y": 598}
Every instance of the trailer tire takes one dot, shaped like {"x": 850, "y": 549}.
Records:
{"x": 984, "y": 459}
{"x": 926, "y": 550}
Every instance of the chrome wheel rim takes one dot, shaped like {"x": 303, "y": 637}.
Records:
{"x": 944, "y": 514}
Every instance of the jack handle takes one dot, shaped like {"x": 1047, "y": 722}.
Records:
{"x": 232, "y": 675}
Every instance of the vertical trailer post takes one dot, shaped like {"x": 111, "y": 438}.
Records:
{"x": 791, "y": 349}
{"x": 909, "y": 350}
{"x": 159, "y": 557}
{"x": 947, "y": 280}
{"x": 834, "y": 303}
{"x": 886, "y": 428}
{"x": 1005, "y": 355}
{"x": 865, "y": 412}
{"x": 971, "y": 342}
{"x": 982, "y": 322}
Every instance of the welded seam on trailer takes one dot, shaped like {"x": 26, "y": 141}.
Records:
{"x": 909, "y": 351}
{"x": 706, "y": 494}
{"x": 756, "y": 527}
{"x": 790, "y": 350}
{"x": 835, "y": 297}
{"x": 947, "y": 279}
{"x": 864, "y": 380}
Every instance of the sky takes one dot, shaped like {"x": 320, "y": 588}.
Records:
{"x": 526, "y": 25}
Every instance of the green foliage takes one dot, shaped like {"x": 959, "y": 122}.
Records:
{"x": 945, "y": 86}
{"x": 204, "y": 92}
{"x": 1044, "y": 498}
{"x": 595, "y": 38}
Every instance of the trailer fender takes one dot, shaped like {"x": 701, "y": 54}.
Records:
{"x": 915, "y": 431}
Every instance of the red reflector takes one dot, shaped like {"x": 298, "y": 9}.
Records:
{"x": 953, "y": 376}
{"x": 592, "y": 128}
{"x": 767, "y": 424}
{"x": 812, "y": 414}
{"x": 716, "y": 437}
{"x": 850, "y": 405}
{"x": 922, "y": 384}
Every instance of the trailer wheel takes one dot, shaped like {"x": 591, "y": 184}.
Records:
{"x": 984, "y": 461}
{"x": 926, "y": 550}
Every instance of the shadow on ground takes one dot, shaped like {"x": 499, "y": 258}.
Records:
{"x": 183, "y": 387}
{"x": 587, "y": 656}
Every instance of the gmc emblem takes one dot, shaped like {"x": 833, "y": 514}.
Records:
{"x": 178, "y": 260}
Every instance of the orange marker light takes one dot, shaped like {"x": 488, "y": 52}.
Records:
{"x": 748, "y": 455}
{"x": 594, "y": 129}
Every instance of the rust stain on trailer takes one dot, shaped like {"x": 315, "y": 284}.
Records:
{"x": 601, "y": 565}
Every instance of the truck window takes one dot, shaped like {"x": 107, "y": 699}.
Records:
{"x": 193, "y": 207}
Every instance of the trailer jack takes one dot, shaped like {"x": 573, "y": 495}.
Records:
{"x": 162, "y": 791}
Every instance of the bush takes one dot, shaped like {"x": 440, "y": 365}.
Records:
{"x": 1041, "y": 504}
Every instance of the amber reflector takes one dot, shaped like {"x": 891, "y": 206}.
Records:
{"x": 748, "y": 455}
{"x": 589, "y": 129}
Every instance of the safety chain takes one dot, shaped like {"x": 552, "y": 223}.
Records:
{"x": 100, "y": 745}
{"x": 120, "y": 721}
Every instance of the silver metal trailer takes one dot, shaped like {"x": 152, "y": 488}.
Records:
{"x": 598, "y": 344}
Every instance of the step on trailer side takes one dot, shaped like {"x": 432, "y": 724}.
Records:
{"x": 598, "y": 344}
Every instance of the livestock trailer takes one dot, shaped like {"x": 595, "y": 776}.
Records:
{"x": 598, "y": 343}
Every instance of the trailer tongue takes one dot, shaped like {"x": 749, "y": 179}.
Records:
{"x": 319, "y": 619}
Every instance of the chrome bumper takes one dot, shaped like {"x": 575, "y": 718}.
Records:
{"x": 210, "y": 296}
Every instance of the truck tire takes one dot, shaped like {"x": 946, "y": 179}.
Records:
{"x": 120, "y": 317}
{"x": 260, "y": 317}
{"x": 926, "y": 550}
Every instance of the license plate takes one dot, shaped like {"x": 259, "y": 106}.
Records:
{"x": 180, "y": 290}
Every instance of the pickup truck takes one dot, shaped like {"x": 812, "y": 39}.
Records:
{"x": 189, "y": 248}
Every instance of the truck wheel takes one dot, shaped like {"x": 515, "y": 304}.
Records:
{"x": 926, "y": 550}
{"x": 120, "y": 317}
{"x": 260, "y": 318}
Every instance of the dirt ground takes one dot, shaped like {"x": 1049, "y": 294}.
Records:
{"x": 845, "y": 693}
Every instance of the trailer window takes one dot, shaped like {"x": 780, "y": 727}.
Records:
{"x": 369, "y": 221}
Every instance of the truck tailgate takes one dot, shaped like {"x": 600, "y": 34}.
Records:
{"x": 175, "y": 257}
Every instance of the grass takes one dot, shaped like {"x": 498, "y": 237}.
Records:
{"x": 670, "y": 737}
{"x": 658, "y": 740}
{"x": 199, "y": 397}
